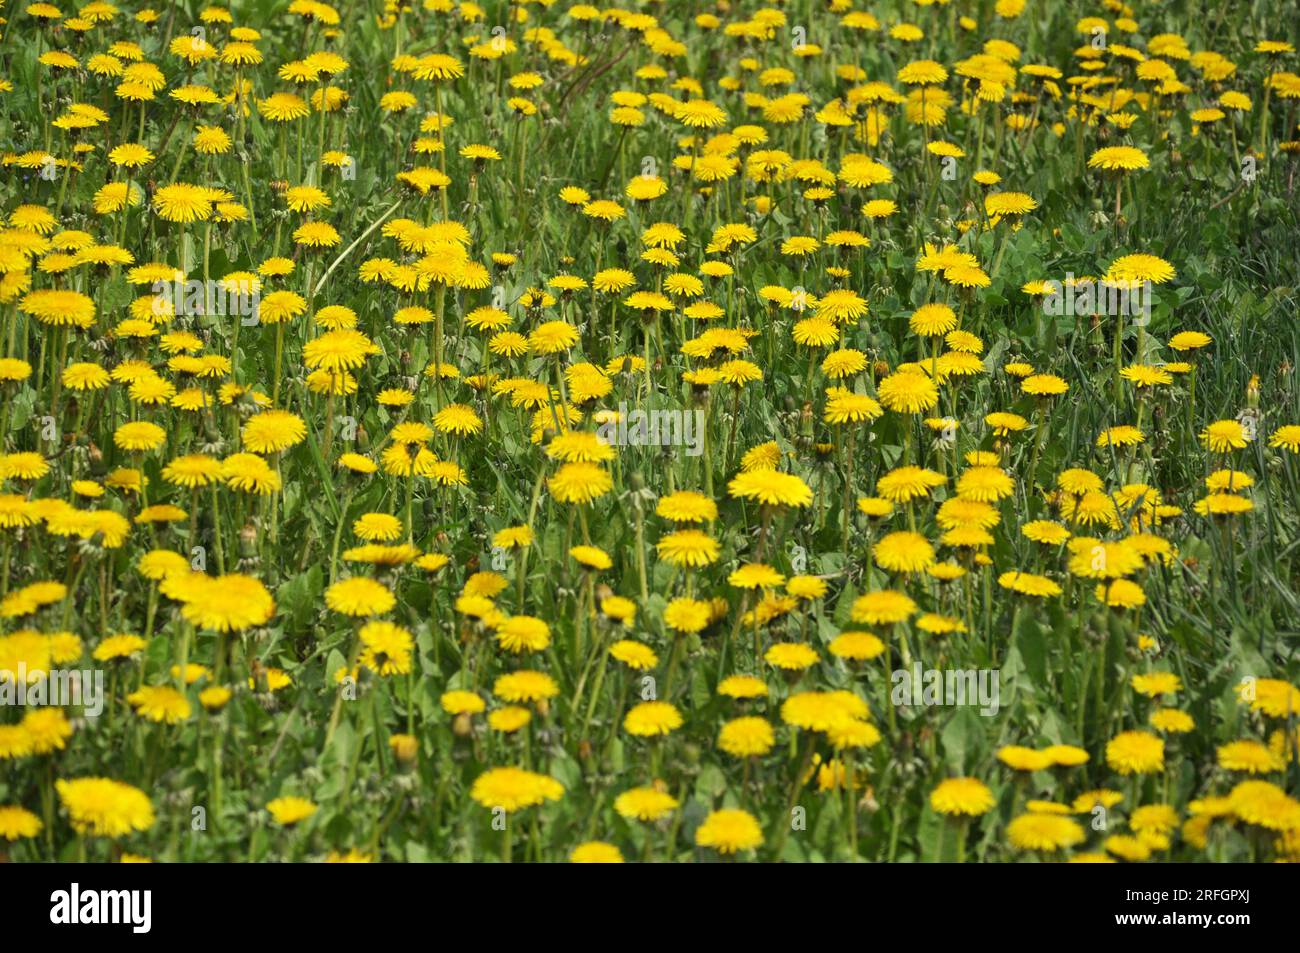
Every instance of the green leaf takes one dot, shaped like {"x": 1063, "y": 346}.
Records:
{"x": 711, "y": 781}
{"x": 299, "y": 598}
{"x": 936, "y": 840}
{"x": 1032, "y": 644}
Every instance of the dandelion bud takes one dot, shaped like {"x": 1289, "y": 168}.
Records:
{"x": 248, "y": 541}
{"x": 461, "y": 726}
{"x": 405, "y": 748}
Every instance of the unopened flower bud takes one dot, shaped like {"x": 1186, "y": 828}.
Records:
{"x": 405, "y": 748}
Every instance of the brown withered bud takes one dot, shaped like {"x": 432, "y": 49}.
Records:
{"x": 585, "y": 750}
